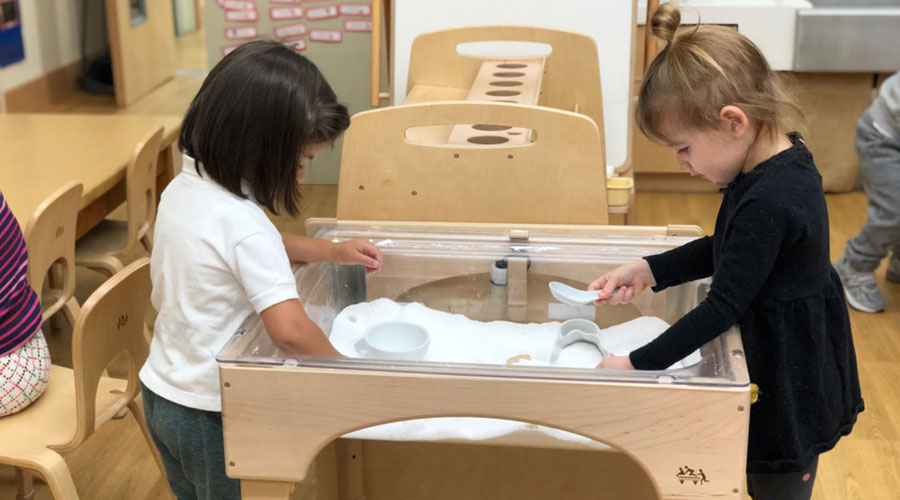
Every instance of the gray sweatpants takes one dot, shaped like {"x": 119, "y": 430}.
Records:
{"x": 879, "y": 161}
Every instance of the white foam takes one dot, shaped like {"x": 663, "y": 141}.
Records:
{"x": 456, "y": 338}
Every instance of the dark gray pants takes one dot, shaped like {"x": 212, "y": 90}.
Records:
{"x": 879, "y": 162}
{"x": 789, "y": 486}
{"x": 192, "y": 449}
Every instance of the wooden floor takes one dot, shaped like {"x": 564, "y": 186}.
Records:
{"x": 115, "y": 463}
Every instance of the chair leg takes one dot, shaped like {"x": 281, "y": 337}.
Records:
{"x": 72, "y": 311}
{"x": 137, "y": 409}
{"x": 148, "y": 337}
{"x": 53, "y": 468}
{"x": 55, "y": 280}
{"x": 147, "y": 240}
{"x": 105, "y": 264}
{"x": 24, "y": 484}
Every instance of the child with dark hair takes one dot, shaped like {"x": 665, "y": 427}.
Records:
{"x": 259, "y": 118}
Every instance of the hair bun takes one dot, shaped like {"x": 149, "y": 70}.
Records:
{"x": 665, "y": 21}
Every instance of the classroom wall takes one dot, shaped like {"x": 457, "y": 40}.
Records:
{"x": 51, "y": 33}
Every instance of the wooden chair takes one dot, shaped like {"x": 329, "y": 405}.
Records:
{"x": 104, "y": 246}
{"x": 571, "y": 79}
{"x": 79, "y": 401}
{"x": 50, "y": 237}
{"x": 554, "y": 180}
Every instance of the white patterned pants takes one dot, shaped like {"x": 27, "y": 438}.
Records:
{"x": 24, "y": 374}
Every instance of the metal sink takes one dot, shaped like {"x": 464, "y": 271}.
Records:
{"x": 848, "y": 36}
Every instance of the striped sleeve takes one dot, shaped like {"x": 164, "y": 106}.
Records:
{"x": 20, "y": 309}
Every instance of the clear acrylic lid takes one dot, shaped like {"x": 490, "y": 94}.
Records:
{"x": 448, "y": 268}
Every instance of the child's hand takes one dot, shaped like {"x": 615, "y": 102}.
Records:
{"x": 614, "y": 362}
{"x": 358, "y": 251}
{"x": 631, "y": 279}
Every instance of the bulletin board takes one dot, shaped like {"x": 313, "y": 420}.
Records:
{"x": 335, "y": 35}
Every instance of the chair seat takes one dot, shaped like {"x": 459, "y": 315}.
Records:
{"x": 107, "y": 238}
{"x": 51, "y": 420}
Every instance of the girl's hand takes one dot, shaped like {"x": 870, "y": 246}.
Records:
{"x": 358, "y": 251}
{"x": 614, "y": 362}
{"x": 631, "y": 279}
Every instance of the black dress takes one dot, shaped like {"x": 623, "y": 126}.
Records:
{"x": 769, "y": 259}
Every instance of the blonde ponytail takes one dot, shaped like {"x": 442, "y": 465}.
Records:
{"x": 702, "y": 70}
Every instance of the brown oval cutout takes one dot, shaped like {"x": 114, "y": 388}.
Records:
{"x": 505, "y": 100}
{"x": 490, "y": 128}
{"x": 505, "y": 83}
{"x": 503, "y": 93}
{"x": 509, "y": 74}
{"x": 514, "y": 133}
{"x": 511, "y": 66}
{"x": 487, "y": 139}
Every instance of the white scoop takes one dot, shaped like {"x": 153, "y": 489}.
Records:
{"x": 572, "y": 296}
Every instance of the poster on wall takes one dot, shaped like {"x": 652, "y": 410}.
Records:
{"x": 11, "y": 48}
{"x": 334, "y": 34}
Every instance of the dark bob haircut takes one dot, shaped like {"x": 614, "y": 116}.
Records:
{"x": 252, "y": 117}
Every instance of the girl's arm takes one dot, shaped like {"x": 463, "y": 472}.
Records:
{"x": 260, "y": 264}
{"x": 293, "y": 332}
{"x": 756, "y": 235}
{"x": 689, "y": 262}
{"x": 359, "y": 251}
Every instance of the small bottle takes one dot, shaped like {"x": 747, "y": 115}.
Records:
{"x": 499, "y": 273}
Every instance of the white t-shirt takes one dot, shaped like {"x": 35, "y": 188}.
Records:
{"x": 216, "y": 259}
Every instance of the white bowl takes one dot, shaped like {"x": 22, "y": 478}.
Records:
{"x": 397, "y": 340}
{"x": 585, "y": 325}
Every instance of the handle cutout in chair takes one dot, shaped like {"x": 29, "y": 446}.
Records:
{"x": 477, "y": 135}
{"x": 504, "y": 49}
{"x": 387, "y": 175}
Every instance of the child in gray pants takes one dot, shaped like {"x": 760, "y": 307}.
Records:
{"x": 878, "y": 143}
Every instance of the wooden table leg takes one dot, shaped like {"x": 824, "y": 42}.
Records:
{"x": 265, "y": 490}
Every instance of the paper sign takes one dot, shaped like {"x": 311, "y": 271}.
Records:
{"x": 237, "y": 5}
{"x": 355, "y": 9}
{"x": 298, "y": 44}
{"x": 331, "y": 36}
{"x": 240, "y": 32}
{"x": 241, "y": 15}
{"x": 323, "y": 12}
{"x": 290, "y": 30}
{"x": 277, "y": 13}
{"x": 357, "y": 25}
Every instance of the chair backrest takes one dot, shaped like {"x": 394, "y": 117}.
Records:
{"x": 112, "y": 322}
{"x": 140, "y": 186}
{"x": 556, "y": 179}
{"x": 571, "y": 79}
{"x": 50, "y": 237}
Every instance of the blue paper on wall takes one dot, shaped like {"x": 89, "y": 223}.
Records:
{"x": 11, "y": 48}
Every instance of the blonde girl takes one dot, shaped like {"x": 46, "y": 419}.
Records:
{"x": 711, "y": 97}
